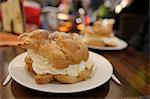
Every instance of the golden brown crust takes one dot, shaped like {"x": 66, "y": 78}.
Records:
{"x": 111, "y": 44}
{"x": 28, "y": 62}
{"x": 99, "y": 43}
{"x": 99, "y": 34}
{"x": 35, "y": 35}
{"x": 43, "y": 79}
{"x": 33, "y": 39}
{"x": 89, "y": 31}
{"x": 61, "y": 49}
{"x": 72, "y": 79}
{"x": 95, "y": 43}
{"x": 55, "y": 55}
{"x": 98, "y": 30}
{"x": 101, "y": 30}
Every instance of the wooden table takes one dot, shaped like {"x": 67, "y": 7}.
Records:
{"x": 130, "y": 66}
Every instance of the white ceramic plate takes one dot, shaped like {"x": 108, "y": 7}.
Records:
{"x": 121, "y": 45}
{"x": 101, "y": 74}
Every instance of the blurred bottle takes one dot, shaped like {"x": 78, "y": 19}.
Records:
{"x": 49, "y": 18}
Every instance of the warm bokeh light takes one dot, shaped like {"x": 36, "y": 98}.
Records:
{"x": 123, "y": 4}
{"x": 68, "y": 24}
{"x": 78, "y": 20}
{"x": 62, "y": 16}
{"x": 80, "y": 27}
{"x": 63, "y": 29}
{"x": 118, "y": 9}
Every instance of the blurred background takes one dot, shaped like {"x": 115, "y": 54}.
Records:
{"x": 131, "y": 17}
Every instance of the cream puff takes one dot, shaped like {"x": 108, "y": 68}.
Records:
{"x": 56, "y": 56}
{"x": 100, "y": 34}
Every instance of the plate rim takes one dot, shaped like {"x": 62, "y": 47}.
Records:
{"x": 75, "y": 91}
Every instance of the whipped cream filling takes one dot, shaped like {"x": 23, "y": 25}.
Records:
{"x": 41, "y": 65}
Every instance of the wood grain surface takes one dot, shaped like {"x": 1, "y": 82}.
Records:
{"x": 130, "y": 67}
